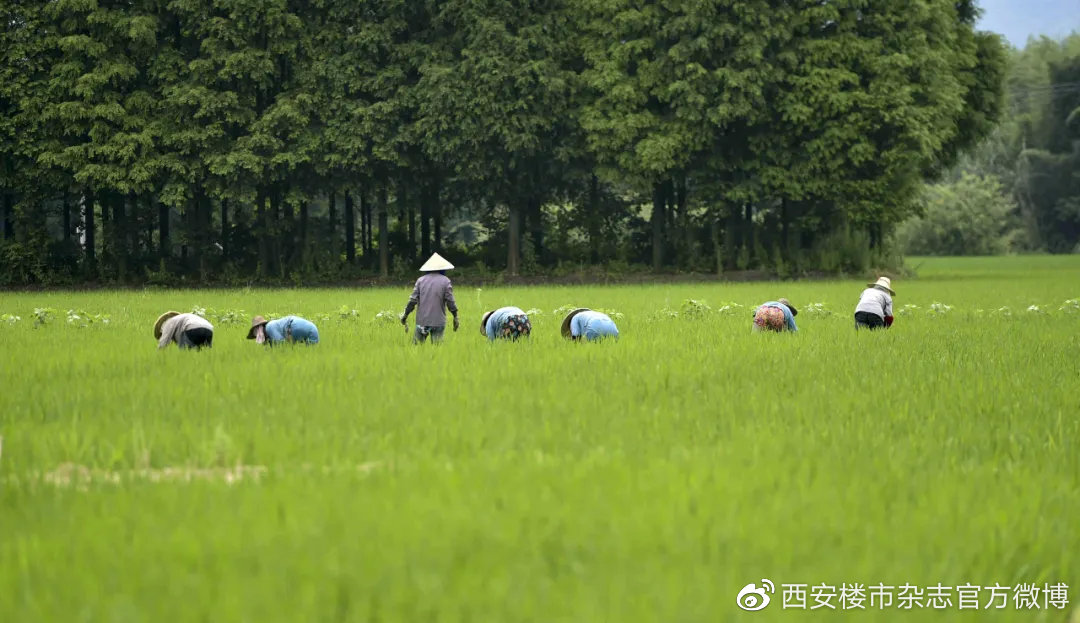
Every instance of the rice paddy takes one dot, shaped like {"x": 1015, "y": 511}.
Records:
{"x": 649, "y": 479}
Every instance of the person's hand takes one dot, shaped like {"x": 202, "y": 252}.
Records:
{"x": 457, "y": 323}
{"x": 404, "y": 320}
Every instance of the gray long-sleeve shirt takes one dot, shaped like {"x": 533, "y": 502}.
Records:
{"x": 875, "y": 301}
{"x": 432, "y": 296}
{"x": 173, "y": 328}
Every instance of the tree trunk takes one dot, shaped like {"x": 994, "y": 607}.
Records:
{"x": 365, "y": 229}
{"x": 107, "y": 226}
{"x": 659, "y": 200}
{"x": 164, "y": 244}
{"x": 436, "y": 208}
{"x": 410, "y": 214}
{"x": 224, "y": 228}
{"x": 686, "y": 234}
{"x": 304, "y": 231}
{"x": 350, "y": 229}
{"x": 331, "y": 218}
{"x": 593, "y": 220}
{"x": 535, "y": 217}
{"x": 714, "y": 231}
{"x": 384, "y": 236}
{"x": 89, "y": 232}
{"x": 9, "y": 216}
{"x": 262, "y": 231}
{"x": 425, "y": 221}
{"x": 67, "y": 219}
{"x": 513, "y": 247}
{"x": 119, "y": 236}
{"x": 133, "y": 230}
{"x": 276, "y": 265}
{"x": 748, "y": 225}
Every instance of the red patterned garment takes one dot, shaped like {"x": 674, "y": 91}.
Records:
{"x": 769, "y": 319}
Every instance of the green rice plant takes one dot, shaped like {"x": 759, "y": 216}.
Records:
{"x": 649, "y": 479}
{"x": 694, "y": 309}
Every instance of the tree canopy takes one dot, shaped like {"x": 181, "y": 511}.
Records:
{"x": 210, "y": 140}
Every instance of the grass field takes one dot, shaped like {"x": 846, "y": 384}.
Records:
{"x": 646, "y": 480}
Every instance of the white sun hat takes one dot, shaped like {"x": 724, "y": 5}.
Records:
{"x": 434, "y": 263}
{"x": 883, "y": 282}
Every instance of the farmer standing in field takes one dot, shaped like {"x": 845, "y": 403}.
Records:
{"x": 776, "y": 315}
{"x": 291, "y": 329}
{"x": 507, "y": 323}
{"x": 875, "y": 309}
{"x": 431, "y": 297}
{"x": 591, "y": 325}
{"x": 187, "y": 330}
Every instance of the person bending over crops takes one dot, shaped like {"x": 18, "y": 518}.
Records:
{"x": 431, "y": 297}
{"x": 187, "y": 330}
{"x": 775, "y": 316}
{"x": 588, "y": 324}
{"x": 874, "y": 310}
{"x": 508, "y": 323}
{"x": 290, "y": 329}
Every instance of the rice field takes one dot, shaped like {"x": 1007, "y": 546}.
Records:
{"x": 652, "y": 479}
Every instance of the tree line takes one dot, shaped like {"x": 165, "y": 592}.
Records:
{"x": 210, "y": 140}
{"x": 1018, "y": 190}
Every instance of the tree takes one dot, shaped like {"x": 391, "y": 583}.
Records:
{"x": 969, "y": 216}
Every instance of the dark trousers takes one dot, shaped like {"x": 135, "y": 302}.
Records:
{"x": 866, "y": 320}
{"x": 197, "y": 338}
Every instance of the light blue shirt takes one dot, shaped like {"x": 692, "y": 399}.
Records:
{"x": 789, "y": 318}
{"x": 300, "y": 329}
{"x": 497, "y": 318}
{"x": 593, "y": 326}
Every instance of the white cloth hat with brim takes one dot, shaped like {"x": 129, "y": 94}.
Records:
{"x": 884, "y": 283}
{"x": 434, "y": 263}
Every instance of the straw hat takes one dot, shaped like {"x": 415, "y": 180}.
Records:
{"x": 483, "y": 322}
{"x": 794, "y": 312}
{"x": 884, "y": 283}
{"x": 161, "y": 320}
{"x": 569, "y": 317}
{"x": 256, "y": 322}
{"x": 435, "y": 263}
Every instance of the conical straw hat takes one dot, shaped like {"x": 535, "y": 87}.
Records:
{"x": 885, "y": 283}
{"x": 161, "y": 320}
{"x": 436, "y": 262}
{"x": 569, "y": 317}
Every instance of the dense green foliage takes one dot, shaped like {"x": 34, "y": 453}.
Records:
{"x": 1030, "y": 163}
{"x": 968, "y": 216}
{"x": 644, "y": 480}
{"x": 223, "y": 140}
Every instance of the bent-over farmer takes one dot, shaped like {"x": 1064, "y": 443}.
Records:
{"x": 776, "y": 315}
{"x": 431, "y": 297}
{"x": 290, "y": 329}
{"x": 187, "y": 330}
{"x": 588, "y": 324}
{"x": 875, "y": 308}
{"x": 508, "y": 323}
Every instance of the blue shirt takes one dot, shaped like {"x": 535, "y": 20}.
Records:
{"x": 299, "y": 329}
{"x": 497, "y": 318}
{"x": 593, "y": 325}
{"x": 789, "y": 318}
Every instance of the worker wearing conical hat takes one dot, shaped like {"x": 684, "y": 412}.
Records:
{"x": 431, "y": 297}
{"x": 875, "y": 309}
{"x": 187, "y": 330}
